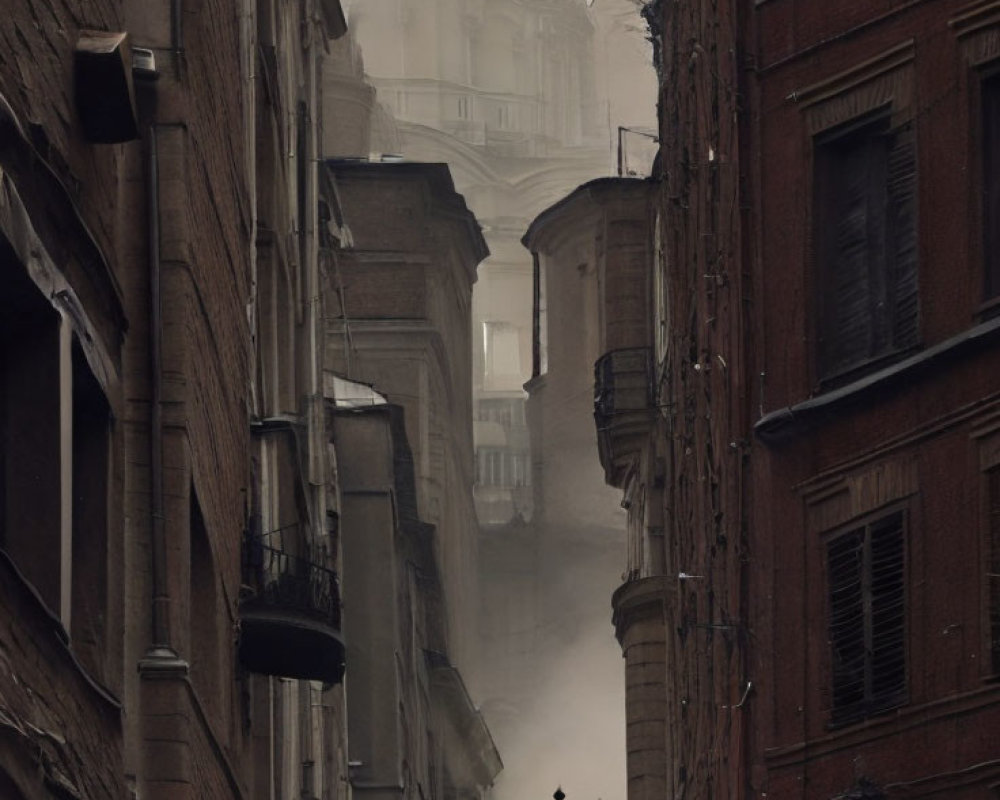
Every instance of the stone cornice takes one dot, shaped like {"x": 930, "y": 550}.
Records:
{"x": 639, "y": 599}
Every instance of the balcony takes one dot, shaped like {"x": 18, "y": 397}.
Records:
{"x": 623, "y": 409}
{"x": 290, "y": 617}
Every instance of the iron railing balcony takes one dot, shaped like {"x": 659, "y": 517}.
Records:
{"x": 290, "y": 617}
{"x": 623, "y": 408}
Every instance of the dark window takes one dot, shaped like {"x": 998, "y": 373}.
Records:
{"x": 91, "y": 478}
{"x": 52, "y": 474}
{"x": 993, "y": 567}
{"x": 31, "y": 475}
{"x": 865, "y": 217}
{"x": 991, "y": 186}
{"x": 865, "y": 573}
{"x": 207, "y": 637}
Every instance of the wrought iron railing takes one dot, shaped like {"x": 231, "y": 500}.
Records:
{"x": 288, "y": 577}
{"x": 623, "y": 382}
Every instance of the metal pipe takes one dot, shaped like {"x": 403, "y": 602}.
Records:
{"x": 161, "y": 597}
{"x": 176, "y": 28}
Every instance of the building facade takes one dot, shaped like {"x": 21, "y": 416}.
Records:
{"x": 165, "y": 484}
{"x": 818, "y": 618}
{"x": 398, "y": 318}
{"x": 171, "y": 521}
{"x": 520, "y": 99}
{"x": 584, "y": 249}
{"x": 516, "y": 97}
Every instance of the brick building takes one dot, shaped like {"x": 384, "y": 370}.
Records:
{"x": 170, "y": 609}
{"x": 810, "y": 606}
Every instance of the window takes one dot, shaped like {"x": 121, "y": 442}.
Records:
{"x": 91, "y": 448}
{"x": 867, "y": 617}
{"x": 866, "y": 250}
{"x": 207, "y": 656}
{"x": 55, "y": 429}
{"x": 503, "y": 117}
{"x": 502, "y": 355}
{"x": 660, "y": 293}
{"x": 506, "y": 412}
{"x": 540, "y": 324}
{"x": 499, "y": 467}
{"x": 990, "y": 93}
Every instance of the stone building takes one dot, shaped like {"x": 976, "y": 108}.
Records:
{"x": 519, "y": 98}
{"x": 591, "y": 254}
{"x": 398, "y": 314}
{"x": 817, "y": 439}
{"x": 413, "y": 726}
{"x": 516, "y": 97}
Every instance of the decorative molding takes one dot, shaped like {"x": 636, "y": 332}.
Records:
{"x": 977, "y": 29}
{"x": 864, "y": 87}
{"x": 883, "y": 728}
{"x": 827, "y": 481}
{"x": 975, "y": 17}
{"x": 641, "y": 599}
{"x": 834, "y": 502}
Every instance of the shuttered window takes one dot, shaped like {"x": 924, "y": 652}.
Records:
{"x": 867, "y": 618}
{"x": 991, "y": 186}
{"x": 866, "y": 249}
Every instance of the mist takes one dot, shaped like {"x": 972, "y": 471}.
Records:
{"x": 525, "y": 101}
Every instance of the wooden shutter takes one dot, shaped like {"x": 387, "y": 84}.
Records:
{"x": 866, "y": 215}
{"x": 846, "y": 220}
{"x": 991, "y": 186}
{"x": 845, "y": 574}
{"x": 888, "y": 612}
{"x": 867, "y": 630}
{"x": 902, "y": 292}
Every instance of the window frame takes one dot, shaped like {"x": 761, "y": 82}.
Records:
{"x": 871, "y": 704}
{"x": 990, "y": 573}
{"x": 887, "y": 329}
{"x": 988, "y": 78}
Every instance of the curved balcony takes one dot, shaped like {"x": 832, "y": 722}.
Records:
{"x": 623, "y": 408}
{"x": 290, "y": 622}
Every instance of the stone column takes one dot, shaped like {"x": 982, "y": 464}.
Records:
{"x": 641, "y": 630}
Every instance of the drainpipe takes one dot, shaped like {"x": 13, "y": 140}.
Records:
{"x": 160, "y": 649}
{"x": 161, "y": 601}
{"x": 177, "y": 34}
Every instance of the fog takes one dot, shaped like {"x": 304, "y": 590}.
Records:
{"x": 525, "y": 100}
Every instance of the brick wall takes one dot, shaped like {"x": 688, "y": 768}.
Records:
{"x": 702, "y": 385}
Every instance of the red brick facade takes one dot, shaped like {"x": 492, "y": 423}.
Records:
{"x": 130, "y": 359}
{"x": 822, "y": 454}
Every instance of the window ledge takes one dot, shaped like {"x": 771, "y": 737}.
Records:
{"x": 47, "y": 620}
{"x": 778, "y": 426}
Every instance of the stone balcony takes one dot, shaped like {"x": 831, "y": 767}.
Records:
{"x": 624, "y": 409}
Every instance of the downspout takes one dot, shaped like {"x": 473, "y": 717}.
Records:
{"x": 160, "y": 645}
{"x": 177, "y": 33}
